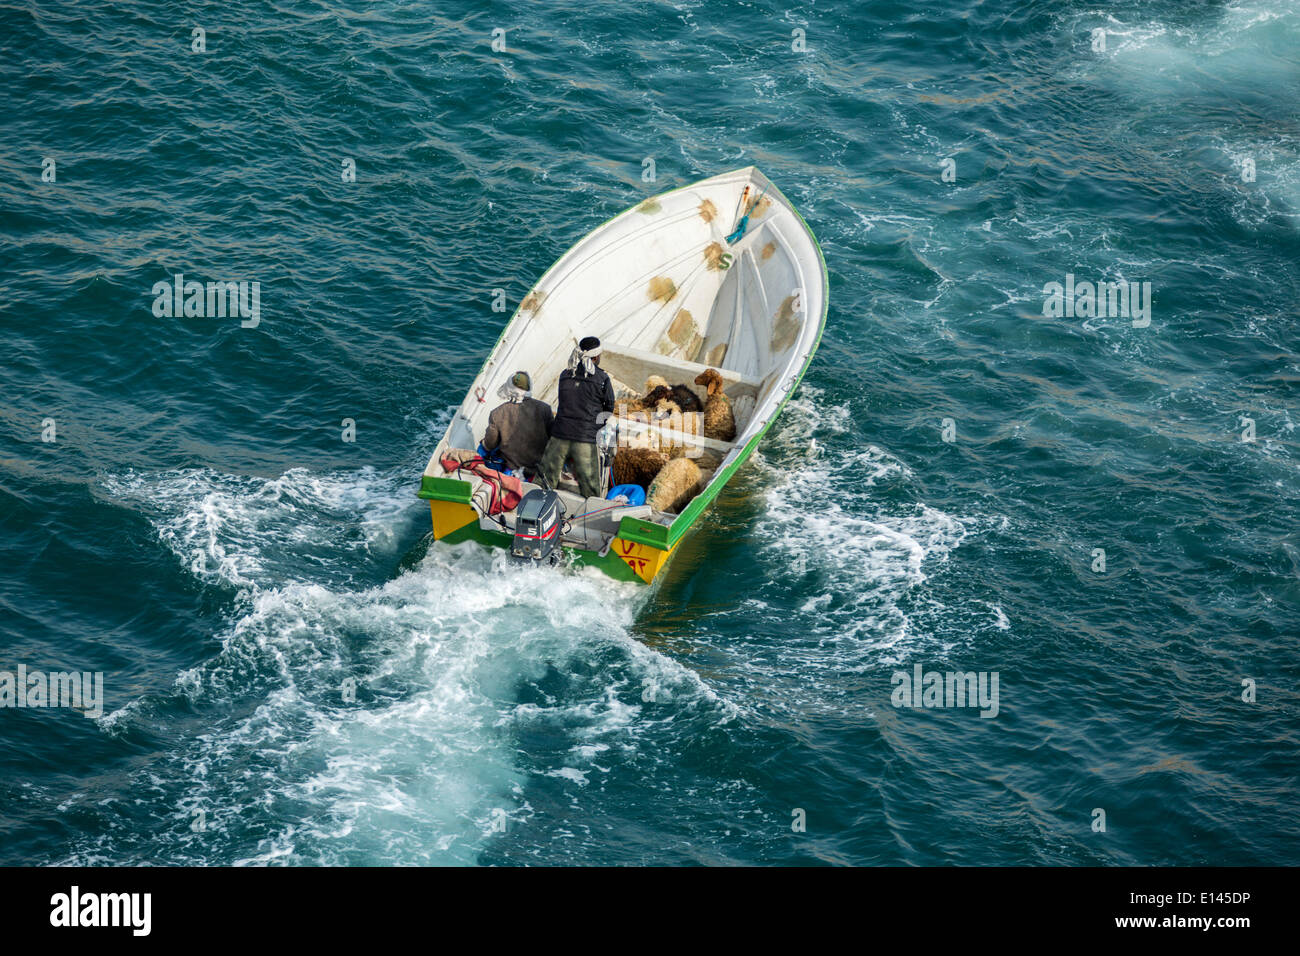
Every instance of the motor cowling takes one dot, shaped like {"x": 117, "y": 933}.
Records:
{"x": 538, "y": 519}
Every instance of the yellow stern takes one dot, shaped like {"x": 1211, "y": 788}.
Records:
{"x": 643, "y": 559}
{"x": 450, "y": 516}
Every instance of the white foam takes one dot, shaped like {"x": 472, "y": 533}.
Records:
{"x": 826, "y": 527}
{"x": 241, "y": 530}
{"x": 423, "y": 765}
{"x": 453, "y": 660}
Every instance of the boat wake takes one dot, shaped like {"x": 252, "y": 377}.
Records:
{"x": 349, "y": 718}
{"x": 366, "y": 708}
{"x": 846, "y": 556}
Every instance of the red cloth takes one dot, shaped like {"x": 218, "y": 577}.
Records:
{"x": 505, "y": 491}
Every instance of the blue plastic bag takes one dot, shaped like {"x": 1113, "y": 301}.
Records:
{"x": 493, "y": 458}
{"x": 635, "y": 494}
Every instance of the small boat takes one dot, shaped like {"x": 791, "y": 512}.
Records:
{"x": 723, "y": 274}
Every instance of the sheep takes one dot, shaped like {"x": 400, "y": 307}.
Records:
{"x": 719, "y": 420}
{"x": 707, "y": 461}
{"x": 653, "y": 386}
{"x": 675, "y": 485}
{"x": 657, "y": 390}
{"x": 661, "y": 405}
{"x": 685, "y": 399}
{"x": 637, "y": 466}
{"x": 657, "y": 400}
{"x": 671, "y": 420}
{"x": 670, "y": 407}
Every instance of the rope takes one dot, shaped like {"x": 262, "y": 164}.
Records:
{"x": 744, "y": 222}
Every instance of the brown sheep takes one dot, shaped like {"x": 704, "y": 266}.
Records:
{"x": 656, "y": 391}
{"x": 655, "y": 388}
{"x": 675, "y": 485}
{"x": 661, "y": 406}
{"x": 706, "y": 461}
{"x": 637, "y": 466}
{"x": 659, "y": 400}
{"x": 672, "y": 437}
{"x": 719, "y": 420}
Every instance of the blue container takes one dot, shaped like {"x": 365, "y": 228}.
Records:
{"x": 635, "y": 494}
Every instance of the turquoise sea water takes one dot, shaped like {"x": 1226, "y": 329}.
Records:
{"x": 199, "y": 531}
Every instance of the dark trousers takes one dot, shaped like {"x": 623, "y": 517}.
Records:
{"x": 586, "y": 464}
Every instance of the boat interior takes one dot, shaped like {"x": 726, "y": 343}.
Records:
{"x": 593, "y": 522}
{"x": 668, "y": 296}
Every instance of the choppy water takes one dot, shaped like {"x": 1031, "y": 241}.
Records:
{"x": 201, "y": 534}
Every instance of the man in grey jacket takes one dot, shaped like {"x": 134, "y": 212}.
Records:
{"x": 521, "y": 427}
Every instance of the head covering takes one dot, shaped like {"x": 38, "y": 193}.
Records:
{"x": 588, "y": 349}
{"x": 517, "y": 389}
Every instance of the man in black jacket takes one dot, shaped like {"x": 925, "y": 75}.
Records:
{"x": 585, "y": 392}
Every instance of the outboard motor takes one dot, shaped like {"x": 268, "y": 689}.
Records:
{"x": 538, "y": 517}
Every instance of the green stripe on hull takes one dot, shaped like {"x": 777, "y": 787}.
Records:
{"x": 610, "y": 564}
{"x": 472, "y": 532}
{"x": 686, "y": 519}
